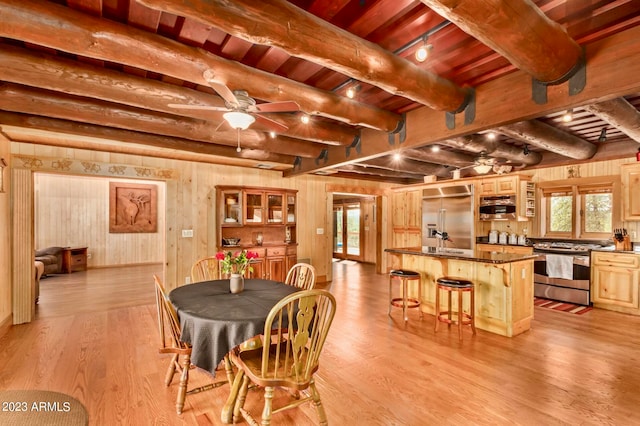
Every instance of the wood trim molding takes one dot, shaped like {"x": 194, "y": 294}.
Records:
{"x": 92, "y": 168}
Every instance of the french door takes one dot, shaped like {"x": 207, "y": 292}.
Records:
{"x": 347, "y": 231}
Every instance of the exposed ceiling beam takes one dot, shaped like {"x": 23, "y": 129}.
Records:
{"x": 613, "y": 64}
{"x": 126, "y": 141}
{"x": 407, "y": 165}
{"x": 519, "y": 31}
{"x": 27, "y": 100}
{"x": 620, "y": 114}
{"x": 479, "y": 143}
{"x": 549, "y": 138}
{"x": 356, "y": 168}
{"x": 79, "y": 33}
{"x": 67, "y": 76}
{"x": 309, "y": 37}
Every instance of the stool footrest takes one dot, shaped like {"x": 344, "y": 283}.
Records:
{"x": 411, "y": 303}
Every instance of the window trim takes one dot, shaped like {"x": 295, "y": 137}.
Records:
{"x": 578, "y": 188}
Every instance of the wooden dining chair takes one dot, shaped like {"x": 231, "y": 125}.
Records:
{"x": 171, "y": 344}
{"x": 301, "y": 275}
{"x": 292, "y": 358}
{"x": 205, "y": 269}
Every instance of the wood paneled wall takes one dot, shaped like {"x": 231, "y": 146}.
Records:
{"x": 190, "y": 203}
{"x": 73, "y": 211}
{"x": 5, "y": 240}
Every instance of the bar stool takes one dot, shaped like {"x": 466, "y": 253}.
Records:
{"x": 405, "y": 302}
{"x": 461, "y": 286}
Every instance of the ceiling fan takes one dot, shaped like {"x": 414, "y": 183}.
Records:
{"x": 483, "y": 164}
{"x": 241, "y": 109}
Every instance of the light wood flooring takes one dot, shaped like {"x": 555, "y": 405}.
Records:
{"x": 375, "y": 370}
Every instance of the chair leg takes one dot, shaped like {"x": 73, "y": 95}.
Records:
{"x": 318, "y": 403}
{"x": 449, "y": 308}
{"x": 227, "y": 410}
{"x": 228, "y": 368}
{"x": 171, "y": 370}
{"x": 242, "y": 396}
{"x": 473, "y": 311}
{"x": 184, "y": 380}
{"x": 268, "y": 402}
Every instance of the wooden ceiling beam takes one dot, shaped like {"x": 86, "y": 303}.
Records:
{"x": 444, "y": 158}
{"x": 519, "y": 31}
{"x": 309, "y": 37}
{"x": 613, "y": 64}
{"x": 27, "y": 100}
{"x": 92, "y": 134}
{"x": 408, "y": 165}
{"x": 549, "y": 138}
{"x": 79, "y": 33}
{"x": 63, "y": 75}
{"x": 620, "y": 114}
{"x": 356, "y": 168}
{"x": 479, "y": 143}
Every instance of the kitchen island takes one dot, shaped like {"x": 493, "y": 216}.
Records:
{"x": 503, "y": 284}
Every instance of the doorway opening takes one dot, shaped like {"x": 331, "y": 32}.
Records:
{"x": 353, "y": 233}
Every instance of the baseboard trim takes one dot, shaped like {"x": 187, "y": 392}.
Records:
{"x": 5, "y": 325}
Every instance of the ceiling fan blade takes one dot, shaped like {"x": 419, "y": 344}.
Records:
{"x": 284, "y": 106}
{"x": 220, "y": 88}
{"x": 207, "y": 107}
{"x": 271, "y": 124}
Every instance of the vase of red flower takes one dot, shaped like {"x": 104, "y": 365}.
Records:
{"x": 235, "y": 265}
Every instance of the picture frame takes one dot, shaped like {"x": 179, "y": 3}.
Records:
{"x": 133, "y": 208}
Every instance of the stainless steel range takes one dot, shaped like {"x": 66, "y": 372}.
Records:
{"x": 562, "y": 271}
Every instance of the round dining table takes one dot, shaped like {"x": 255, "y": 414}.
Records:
{"x": 213, "y": 320}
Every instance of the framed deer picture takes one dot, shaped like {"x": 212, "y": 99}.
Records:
{"x": 133, "y": 208}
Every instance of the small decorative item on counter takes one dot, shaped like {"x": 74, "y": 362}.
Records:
{"x": 493, "y": 237}
{"x": 513, "y": 239}
{"x": 503, "y": 238}
{"x": 621, "y": 239}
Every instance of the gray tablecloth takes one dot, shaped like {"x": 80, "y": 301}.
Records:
{"x": 213, "y": 320}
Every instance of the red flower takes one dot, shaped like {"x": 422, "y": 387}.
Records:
{"x": 220, "y": 255}
{"x": 252, "y": 255}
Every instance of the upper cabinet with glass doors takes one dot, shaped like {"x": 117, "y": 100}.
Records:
{"x": 291, "y": 208}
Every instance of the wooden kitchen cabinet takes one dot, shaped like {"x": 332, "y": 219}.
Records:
{"x": 615, "y": 281}
{"x": 406, "y": 218}
{"x": 514, "y": 184}
{"x": 630, "y": 193}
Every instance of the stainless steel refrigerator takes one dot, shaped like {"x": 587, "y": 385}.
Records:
{"x": 447, "y": 218}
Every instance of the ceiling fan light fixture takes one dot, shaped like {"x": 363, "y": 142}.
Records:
{"x": 239, "y": 120}
{"x": 482, "y": 169}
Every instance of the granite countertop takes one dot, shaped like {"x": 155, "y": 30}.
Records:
{"x": 472, "y": 256}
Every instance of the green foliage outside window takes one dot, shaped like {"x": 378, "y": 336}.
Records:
{"x": 598, "y": 212}
{"x": 561, "y": 208}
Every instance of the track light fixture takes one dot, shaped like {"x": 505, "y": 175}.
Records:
{"x": 422, "y": 53}
{"x": 351, "y": 91}
{"x": 603, "y": 135}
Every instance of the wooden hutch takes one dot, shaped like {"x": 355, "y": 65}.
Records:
{"x": 264, "y": 219}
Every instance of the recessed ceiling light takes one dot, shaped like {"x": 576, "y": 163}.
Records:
{"x": 435, "y": 148}
{"x": 491, "y": 136}
{"x": 567, "y": 116}
{"x": 397, "y": 156}
{"x": 304, "y": 118}
{"x": 272, "y": 134}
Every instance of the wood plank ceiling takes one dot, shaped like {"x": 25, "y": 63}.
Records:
{"x": 102, "y": 74}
